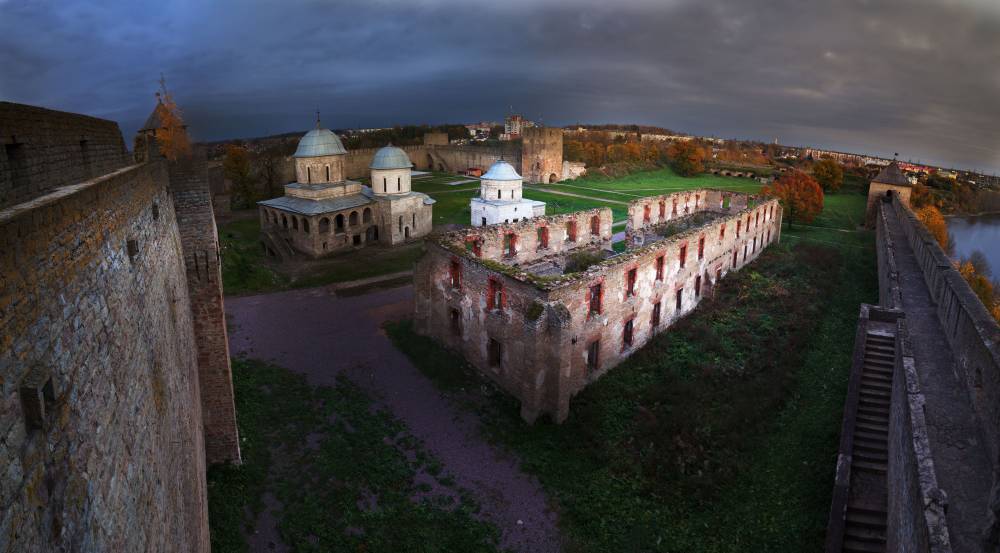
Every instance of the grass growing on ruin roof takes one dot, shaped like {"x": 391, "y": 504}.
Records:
{"x": 721, "y": 434}
{"x": 347, "y": 475}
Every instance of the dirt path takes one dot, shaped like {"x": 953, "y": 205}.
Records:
{"x": 315, "y": 333}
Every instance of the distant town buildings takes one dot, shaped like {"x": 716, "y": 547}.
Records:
{"x": 514, "y": 125}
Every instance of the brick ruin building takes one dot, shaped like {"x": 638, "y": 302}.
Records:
{"x": 114, "y": 362}
{"x": 544, "y": 306}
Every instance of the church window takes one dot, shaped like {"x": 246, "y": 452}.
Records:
{"x": 308, "y": 174}
{"x": 366, "y": 215}
{"x": 327, "y": 173}
{"x": 295, "y": 223}
{"x": 353, "y": 219}
{"x": 498, "y": 195}
{"x": 305, "y": 225}
{"x": 399, "y": 184}
{"x": 385, "y": 185}
{"x": 338, "y": 223}
{"x": 324, "y": 225}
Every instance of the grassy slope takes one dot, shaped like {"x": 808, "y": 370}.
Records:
{"x": 721, "y": 434}
{"x": 323, "y": 452}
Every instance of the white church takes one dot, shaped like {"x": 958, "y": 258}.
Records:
{"x": 500, "y": 199}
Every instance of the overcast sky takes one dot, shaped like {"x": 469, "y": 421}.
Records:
{"x": 921, "y": 78}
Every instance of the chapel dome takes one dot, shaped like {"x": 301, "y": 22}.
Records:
{"x": 501, "y": 170}
{"x": 391, "y": 157}
{"x": 320, "y": 142}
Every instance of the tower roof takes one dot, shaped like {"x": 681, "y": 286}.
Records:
{"x": 320, "y": 142}
{"x": 390, "y": 157}
{"x": 892, "y": 175}
{"x": 501, "y": 170}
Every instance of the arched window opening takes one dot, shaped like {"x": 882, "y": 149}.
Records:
{"x": 284, "y": 221}
{"x": 305, "y": 225}
{"x": 353, "y": 219}
{"x": 366, "y": 215}
{"x": 324, "y": 225}
{"x": 295, "y": 223}
{"x": 338, "y": 223}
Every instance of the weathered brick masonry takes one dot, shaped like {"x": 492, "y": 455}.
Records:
{"x": 509, "y": 299}
{"x": 200, "y": 242}
{"x": 100, "y": 429}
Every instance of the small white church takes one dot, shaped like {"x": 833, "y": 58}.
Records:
{"x": 500, "y": 199}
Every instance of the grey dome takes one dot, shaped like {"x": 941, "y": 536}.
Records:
{"x": 501, "y": 170}
{"x": 320, "y": 142}
{"x": 391, "y": 157}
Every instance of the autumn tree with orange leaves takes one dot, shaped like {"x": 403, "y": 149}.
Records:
{"x": 800, "y": 195}
{"x": 171, "y": 138}
{"x": 685, "y": 158}
{"x": 931, "y": 217}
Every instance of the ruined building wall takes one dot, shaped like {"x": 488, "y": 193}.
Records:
{"x": 100, "y": 420}
{"x": 534, "y": 341}
{"x": 192, "y": 199}
{"x": 43, "y": 149}
{"x": 542, "y": 155}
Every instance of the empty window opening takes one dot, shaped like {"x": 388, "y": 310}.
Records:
{"x": 474, "y": 245}
{"x": 327, "y": 173}
{"x": 680, "y": 295}
{"x": 655, "y": 320}
{"x": 697, "y": 286}
{"x": 308, "y": 174}
{"x": 498, "y": 195}
{"x": 645, "y": 213}
{"x": 305, "y": 225}
{"x": 744, "y": 252}
{"x": 295, "y": 223}
{"x": 353, "y": 218}
{"x": 683, "y": 256}
{"x": 399, "y": 184}
{"x": 18, "y": 163}
{"x": 400, "y": 223}
{"x": 734, "y": 258}
{"x": 496, "y": 354}
{"x": 509, "y": 244}
{"x": 663, "y": 209}
{"x": 456, "y": 322}
{"x": 543, "y": 237}
{"x": 571, "y": 231}
{"x": 37, "y": 399}
{"x": 630, "y": 283}
{"x": 132, "y": 246}
{"x": 495, "y": 299}
{"x": 385, "y": 184}
{"x": 324, "y": 225}
{"x": 595, "y": 226}
{"x": 701, "y": 248}
{"x": 627, "y": 334}
{"x": 593, "y": 355}
{"x": 739, "y": 224}
{"x": 659, "y": 267}
{"x": 484, "y": 221}
{"x": 673, "y": 211}
{"x": 595, "y": 294}
{"x": 455, "y": 274}
{"x": 338, "y": 223}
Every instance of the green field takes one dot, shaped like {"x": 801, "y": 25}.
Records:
{"x": 342, "y": 469}
{"x": 721, "y": 434}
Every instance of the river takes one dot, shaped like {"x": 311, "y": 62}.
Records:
{"x": 977, "y": 232}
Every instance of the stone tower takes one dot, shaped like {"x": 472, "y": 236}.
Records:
{"x": 889, "y": 181}
{"x": 542, "y": 155}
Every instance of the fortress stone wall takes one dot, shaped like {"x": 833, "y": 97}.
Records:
{"x": 101, "y": 443}
{"x": 114, "y": 365}
{"x": 509, "y": 299}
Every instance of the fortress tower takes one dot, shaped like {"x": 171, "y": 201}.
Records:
{"x": 890, "y": 180}
{"x": 542, "y": 155}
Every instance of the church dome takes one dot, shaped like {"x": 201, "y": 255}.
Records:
{"x": 320, "y": 142}
{"x": 501, "y": 170}
{"x": 391, "y": 157}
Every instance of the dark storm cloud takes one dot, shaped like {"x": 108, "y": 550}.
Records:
{"x": 921, "y": 78}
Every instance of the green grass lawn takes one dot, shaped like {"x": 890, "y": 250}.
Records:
{"x": 721, "y": 434}
{"x": 663, "y": 179}
{"x": 342, "y": 469}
